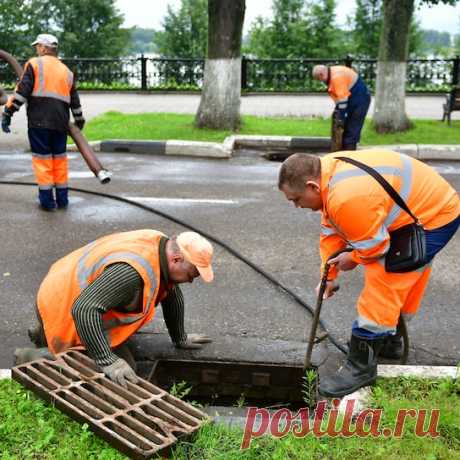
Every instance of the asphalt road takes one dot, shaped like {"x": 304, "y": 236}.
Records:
{"x": 237, "y": 201}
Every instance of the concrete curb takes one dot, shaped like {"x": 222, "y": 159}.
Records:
{"x": 362, "y": 395}
{"x": 95, "y": 145}
{"x": 384, "y": 371}
{"x": 315, "y": 145}
{"x": 172, "y": 147}
{"x": 5, "y": 374}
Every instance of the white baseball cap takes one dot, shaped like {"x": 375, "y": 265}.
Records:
{"x": 46, "y": 40}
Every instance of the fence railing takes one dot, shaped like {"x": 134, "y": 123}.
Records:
{"x": 275, "y": 75}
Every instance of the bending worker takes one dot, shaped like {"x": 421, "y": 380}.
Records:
{"x": 102, "y": 293}
{"x": 48, "y": 87}
{"x": 351, "y": 97}
{"x": 358, "y": 212}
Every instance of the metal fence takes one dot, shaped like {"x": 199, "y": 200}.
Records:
{"x": 273, "y": 75}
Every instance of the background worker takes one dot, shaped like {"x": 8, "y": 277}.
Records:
{"x": 358, "y": 212}
{"x": 102, "y": 293}
{"x": 48, "y": 87}
{"x": 351, "y": 97}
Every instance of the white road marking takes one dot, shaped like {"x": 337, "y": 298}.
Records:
{"x": 180, "y": 200}
{"x": 81, "y": 174}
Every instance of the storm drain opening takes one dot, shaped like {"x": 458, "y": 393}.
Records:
{"x": 226, "y": 383}
{"x": 140, "y": 421}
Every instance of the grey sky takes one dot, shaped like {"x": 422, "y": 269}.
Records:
{"x": 149, "y": 13}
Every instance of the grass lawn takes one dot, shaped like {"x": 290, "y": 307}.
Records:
{"x": 164, "y": 126}
{"x": 31, "y": 429}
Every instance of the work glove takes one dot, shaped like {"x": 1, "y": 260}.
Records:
{"x": 80, "y": 122}
{"x": 120, "y": 371}
{"x": 6, "y": 122}
{"x": 194, "y": 342}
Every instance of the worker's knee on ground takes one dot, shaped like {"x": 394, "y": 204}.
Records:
{"x": 25, "y": 355}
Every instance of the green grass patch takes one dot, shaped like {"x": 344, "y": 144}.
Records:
{"x": 165, "y": 126}
{"x": 29, "y": 428}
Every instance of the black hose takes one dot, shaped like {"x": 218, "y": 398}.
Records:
{"x": 232, "y": 251}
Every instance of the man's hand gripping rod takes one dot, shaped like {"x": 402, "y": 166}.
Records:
{"x": 319, "y": 302}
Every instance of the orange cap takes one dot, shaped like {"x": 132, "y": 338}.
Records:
{"x": 198, "y": 251}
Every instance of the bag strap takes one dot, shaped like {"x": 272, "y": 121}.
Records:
{"x": 383, "y": 182}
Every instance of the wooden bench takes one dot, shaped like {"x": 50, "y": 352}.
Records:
{"x": 452, "y": 103}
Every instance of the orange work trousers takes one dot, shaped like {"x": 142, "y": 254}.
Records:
{"x": 386, "y": 296}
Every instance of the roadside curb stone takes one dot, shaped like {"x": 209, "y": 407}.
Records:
{"x": 259, "y": 145}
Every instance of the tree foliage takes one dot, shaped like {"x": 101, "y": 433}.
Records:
{"x": 389, "y": 109}
{"x": 90, "y": 28}
{"x": 298, "y": 28}
{"x": 85, "y": 28}
{"x": 185, "y": 32}
{"x": 141, "y": 40}
{"x": 367, "y": 27}
{"x": 19, "y": 22}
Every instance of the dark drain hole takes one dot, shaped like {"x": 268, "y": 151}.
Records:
{"x": 232, "y": 384}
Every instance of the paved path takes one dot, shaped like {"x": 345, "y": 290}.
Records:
{"x": 262, "y": 105}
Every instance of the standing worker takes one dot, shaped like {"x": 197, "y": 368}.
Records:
{"x": 101, "y": 294}
{"x": 358, "y": 212}
{"x": 351, "y": 97}
{"x": 48, "y": 87}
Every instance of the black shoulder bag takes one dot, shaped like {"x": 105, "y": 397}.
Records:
{"x": 407, "y": 244}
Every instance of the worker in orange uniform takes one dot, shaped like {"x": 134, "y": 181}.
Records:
{"x": 351, "y": 97}
{"x": 357, "y": 212}
{"x": 48, "y": 87}
{"x": 101, "y": 294}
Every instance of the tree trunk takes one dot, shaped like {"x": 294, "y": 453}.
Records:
{"x": 220, "y": 97}
{"x": 390, "y": 105}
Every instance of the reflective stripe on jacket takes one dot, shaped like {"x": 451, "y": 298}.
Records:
{"x": 357, "y": 210}
{"x": 52, "y": 78}
{"x": 69, "y": 276}
{"x": 48, "y": 87}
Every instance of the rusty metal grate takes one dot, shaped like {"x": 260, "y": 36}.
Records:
{"x": 140, "y": 421}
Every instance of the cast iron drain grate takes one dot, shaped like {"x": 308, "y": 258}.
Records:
{"x": 140, "y": 421}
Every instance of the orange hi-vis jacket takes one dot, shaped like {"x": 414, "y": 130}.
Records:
{"x": 52, "y": 78}
{"x": 341, "y": 81}
{"x": 69, "y": 276}
{"x": 357, "y": 211}
{"x": 47, "y": 85}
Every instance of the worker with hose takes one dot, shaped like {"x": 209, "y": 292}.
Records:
{"x": 101, "y": 294}
{"x": 352, "y": 100}
{"x": 48, "y": 87}
{"x": 358, "y": 212}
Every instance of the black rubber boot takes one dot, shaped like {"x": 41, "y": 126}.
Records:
{"x": 349, "y": 146}
{"x": 359, "y": 369}
{"x": 37, "y": 335}
{"x": 392, "y": 347}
